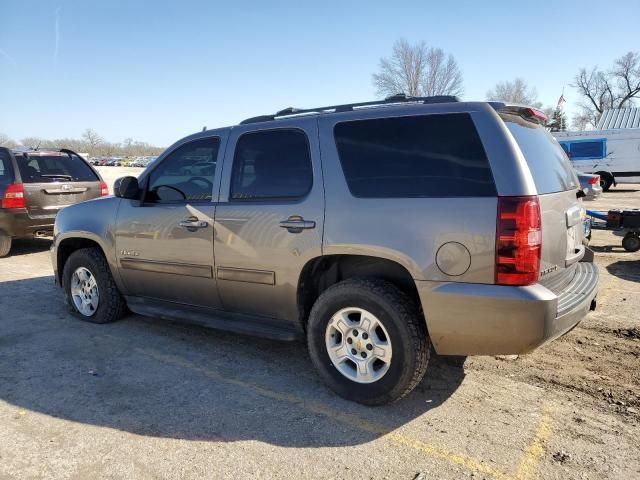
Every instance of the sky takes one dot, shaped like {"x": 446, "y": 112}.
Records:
{"x": 157, "y": 71}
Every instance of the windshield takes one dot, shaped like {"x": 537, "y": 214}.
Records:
{"x": 54, "y": 167}
{"x": 549, "y": 165}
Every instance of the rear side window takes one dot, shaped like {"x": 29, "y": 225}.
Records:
{"x": 422, "y": 156}
{"x": 271, "y": 164}
{"x": 548, "y": 163}
{"x": 6, "y": 172}
{"x": 54, "y": 167}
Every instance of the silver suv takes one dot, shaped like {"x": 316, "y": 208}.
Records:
{"x": 374, "y": 230}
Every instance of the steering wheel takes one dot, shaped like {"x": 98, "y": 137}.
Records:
{"x": 207, "y": 183}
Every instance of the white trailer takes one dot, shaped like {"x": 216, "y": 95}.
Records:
{"x": 612, "y": 154}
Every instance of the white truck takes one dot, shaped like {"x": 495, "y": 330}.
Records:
{"x": 612, "y": 154}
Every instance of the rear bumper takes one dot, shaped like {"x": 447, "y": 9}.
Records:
{"x": 476, "y": 319}
{"x": 17, "y": 223}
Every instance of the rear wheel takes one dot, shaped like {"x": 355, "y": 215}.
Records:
{"x": 631, "y": 242}
{"x": 89, "y": 288}
{"x": 606, "y": 180}
{"x": 368, "y": 341}
{"x": 5, "y": 245}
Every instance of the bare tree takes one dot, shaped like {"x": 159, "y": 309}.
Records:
{"x": 92, "y": 143}
{"x": 5, "y": 141}
{"x": 32, "y": 142}
{"x": 93, "y": 140}
{"x": 418, "y": 70}
{"x": 602, "y": 90}
{"x": 517, "y": 92}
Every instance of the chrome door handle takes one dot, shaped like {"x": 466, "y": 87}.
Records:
{"x": 193, "y": 224}
{"x": 297, "y": 224}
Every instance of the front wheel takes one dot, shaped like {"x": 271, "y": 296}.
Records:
{"x": 368, "y": 341}
{"x": 89, "y": 288}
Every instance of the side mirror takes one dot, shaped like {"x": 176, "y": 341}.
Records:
{"x": 126, "y": 187}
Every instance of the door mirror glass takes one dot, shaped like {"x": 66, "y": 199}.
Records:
{"x": 126, "y": 187}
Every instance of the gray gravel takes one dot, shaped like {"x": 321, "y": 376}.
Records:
{"x": 145, "y": 398}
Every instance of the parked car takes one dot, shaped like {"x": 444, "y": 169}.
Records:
{"x": 590, "y": 185}
{"x": 613, "y": 154}
{"x": 369, "y": 231}
{"x": 35, "y": 185}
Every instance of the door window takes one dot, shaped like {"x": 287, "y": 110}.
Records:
{"x": 271, "y": 164}
{"x": 186, "y": 175}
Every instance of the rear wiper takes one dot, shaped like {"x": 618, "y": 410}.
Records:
{"x": 61, "y": 175}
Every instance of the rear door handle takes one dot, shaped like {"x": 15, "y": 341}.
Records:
{"x": 295, "y": 224}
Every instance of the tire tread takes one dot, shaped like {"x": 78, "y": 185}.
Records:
{"x": 405, "y": 307}
{"x": 115, "y": 306}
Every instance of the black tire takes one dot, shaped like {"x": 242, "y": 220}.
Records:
{"x": 401, "y": 318}
{"x": 5, "y": 245}
{"x": 606, "y": 180}
{"x": 631, "y": 242}
{"x": 111, "y": 304}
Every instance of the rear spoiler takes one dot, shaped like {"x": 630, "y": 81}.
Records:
{"x": 528, "y": 113}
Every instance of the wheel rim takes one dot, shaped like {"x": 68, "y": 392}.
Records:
{"x": 84, "y": 291}
{"x": 358, "y": 345}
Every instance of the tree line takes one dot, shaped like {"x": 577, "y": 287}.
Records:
{"x": 420, "y": 70}
{"x": 90, "y": 142}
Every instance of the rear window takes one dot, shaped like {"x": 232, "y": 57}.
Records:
{"x": 437, "y": 155}
{"x": 6, "y": 172}
{"x": 54, "y": 167}
{"x": 548, "y": 162}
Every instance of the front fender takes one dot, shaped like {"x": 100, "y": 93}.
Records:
{"x": 92, "y": 221}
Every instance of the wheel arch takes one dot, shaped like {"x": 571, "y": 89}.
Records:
{"x": 70, "y": 242}
{"x": 321, "y": 272}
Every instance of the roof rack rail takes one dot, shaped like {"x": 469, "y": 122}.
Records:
{"x": 393, "y": 99}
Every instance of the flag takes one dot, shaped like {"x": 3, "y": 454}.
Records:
{"x": 561, "y": 101}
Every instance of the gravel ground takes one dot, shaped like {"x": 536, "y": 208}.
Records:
{"x": 145, "y": 398}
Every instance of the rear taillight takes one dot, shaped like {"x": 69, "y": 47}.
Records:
{"x": 14, "y": 196}
{"x": 104, "y": 190}
{"x": 594, "y": 180}
{"x": 518, "y": 241}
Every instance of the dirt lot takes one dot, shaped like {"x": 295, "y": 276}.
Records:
{"x": 144, "y": 398}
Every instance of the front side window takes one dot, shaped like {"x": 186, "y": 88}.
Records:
{"x": 438, "y": 155}
{"x": 54, "y": 167}
{"x": 186, "y": 174}
{"x": 271, "y": 164}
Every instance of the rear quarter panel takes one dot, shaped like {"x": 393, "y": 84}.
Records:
{"x": 409, "y": 231}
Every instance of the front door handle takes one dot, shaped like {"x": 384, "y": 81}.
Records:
{"x": 193, "y": 223}
{"x": 295, "y": 224}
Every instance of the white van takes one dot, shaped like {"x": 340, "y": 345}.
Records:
{"x": 613, "y": 154}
